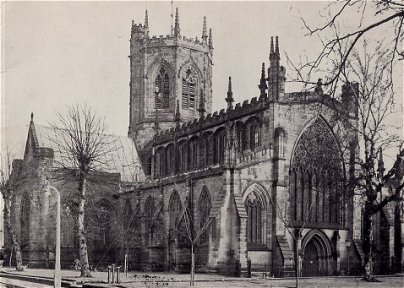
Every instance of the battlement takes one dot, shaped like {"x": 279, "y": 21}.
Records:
{"x": 138, "y": 28}
{"x": 141, "y": 33}
{"x": 245, "y": 108}
{"x": 312, "y": 96}
{"x": 170, "y": 40}
{"x": 213, "y": 119}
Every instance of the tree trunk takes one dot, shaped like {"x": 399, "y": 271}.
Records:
{"x": 85, "y": 265}
{"x": 297, "y": 267}
{"x": 14, "y": 241}
{"x": 298, "y": 247}
{"x": 368, "y": 236}
{"x": 192, "y": 283}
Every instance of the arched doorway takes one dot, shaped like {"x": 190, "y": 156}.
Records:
{"x": 310, "y": 260}
{"x": 316, "y": 255}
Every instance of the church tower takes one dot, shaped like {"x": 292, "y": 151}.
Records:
{"x": 165, "y": 70}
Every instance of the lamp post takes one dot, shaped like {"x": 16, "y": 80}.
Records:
{"x": 57, "y": 276}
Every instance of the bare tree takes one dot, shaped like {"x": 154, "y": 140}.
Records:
{"x": 373, "y": 96}
{"x": 7, "y": 187}
{"x": 83, "y": 147}
{"x": 372, "y": 17}
{"x": 192, "y": 234}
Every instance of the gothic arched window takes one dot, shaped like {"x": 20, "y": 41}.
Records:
{"x": 280, "y": 143}
{"x": 219, "y": 143}
{"x": 205, "y": 205}
{"x": 193, "y": 153}
{"x": 149, "y": 210}
{"x": 240, "y": 127}
{"x": 100, "y": 225}
{"x": 189, "y": 88}
{"x": 206, "y": 149}
{"x": 128, "y": 218}
{"x": 162, "y": 86}
{"x": 175, "y": 208}
{"x": 69, "y": 224}
{"x": 170, "y": 157}
{"x": 183, "y": 156}
{"x": 316, "y": 192}
{"x": 24, "y": 220}
{"x": 159, "y": 162}
{"x": 254, "y": 222}
{"x": 253, "y": 133}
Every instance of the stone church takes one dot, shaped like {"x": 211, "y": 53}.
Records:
{"x": 249, "y": 183}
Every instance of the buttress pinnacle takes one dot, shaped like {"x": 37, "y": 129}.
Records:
{"x": 263, "y": 83}
{"x": 229, "y": 99}
{"x": 177, "y": 30}
{"x": 204, "y": 32}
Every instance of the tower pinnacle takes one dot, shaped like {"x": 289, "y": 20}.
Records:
{"x": 229, "y": 99}
{"x": 277, "y": 47}
{"x": 204, "y": 32}
{"x": 272, "y": 51}
{"x": 210, "y": 39}
{"x": 146, "y": 20}
{"x": 177, "y": 30}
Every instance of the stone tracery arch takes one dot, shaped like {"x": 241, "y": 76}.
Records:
{"x": 162, "y": 76}
{"x": 257, "y": 205}
{"x": 69, "y": 227}
{"x": 316, "y": 173}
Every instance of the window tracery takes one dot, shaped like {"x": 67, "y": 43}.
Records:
{"x": 68, "y": 225}
{"x": 219, "y": 146}
{"x": 316, "y": 175}
{"x": 149, "y": 227}
{"x": 254, "y": 209}
{"x": 100, "y": 226}
{"x": 24, "y": 220}
{"x": 162, "y": 86}
{"x": 205, "y": 206}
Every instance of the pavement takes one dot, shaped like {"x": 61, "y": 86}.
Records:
{"x": 146, "y": 279}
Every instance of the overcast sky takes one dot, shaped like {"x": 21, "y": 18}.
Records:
{"x": 56, "y": 54}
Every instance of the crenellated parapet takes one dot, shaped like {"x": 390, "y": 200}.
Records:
{"x": 247, "y": 107}
{"x": 170, "y": 40}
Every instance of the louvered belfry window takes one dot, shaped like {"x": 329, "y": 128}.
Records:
{"x": 189, "y": 90}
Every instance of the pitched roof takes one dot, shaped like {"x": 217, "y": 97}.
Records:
{"x": 121, "y": 157}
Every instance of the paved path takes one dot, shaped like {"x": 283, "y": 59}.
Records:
{"x": 143, "y": 279}
{"x": 7, "y": 282}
